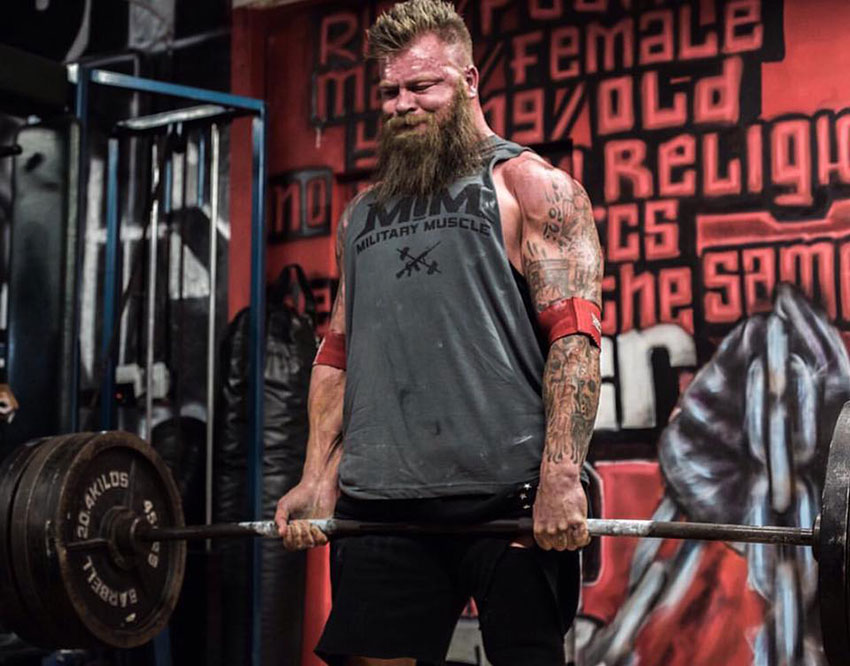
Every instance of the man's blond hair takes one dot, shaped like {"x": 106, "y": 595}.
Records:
{"x": 395, "y": 29}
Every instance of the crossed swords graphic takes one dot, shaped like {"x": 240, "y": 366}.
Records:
{"x": 413, "y": 263}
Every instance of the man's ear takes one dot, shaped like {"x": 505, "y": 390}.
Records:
{"x": 471, "y": 78}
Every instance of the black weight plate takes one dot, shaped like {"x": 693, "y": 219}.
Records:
{"x": 12, "y": 611}
{"x": 126, "y": 603}
{"x": 67, "y": 629}
{"x": 833, "y": 584}
{"x": 28, "y": 536}
{"x": 53, "y": 625}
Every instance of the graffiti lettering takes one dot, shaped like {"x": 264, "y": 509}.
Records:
{"x": 337, "y": 38}
{"x": 301, "y": 205}
{"x": 740, "y": 282}
{"x": 338, "y": 92}
{"x": 628, "y": 398}
{"x": 598, "y": 48}
{"x": 711, "y": 166}
{"x": 660, "y": 237}
{"x": 634, "y": 299}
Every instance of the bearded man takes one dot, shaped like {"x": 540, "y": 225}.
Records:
{"x": 460, "y": 377}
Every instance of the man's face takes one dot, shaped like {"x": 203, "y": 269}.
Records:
{"x": 419, "y": 83}
{"x": 428, "y": 137}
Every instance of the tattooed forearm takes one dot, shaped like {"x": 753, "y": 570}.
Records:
{"x": 570, "y": 397}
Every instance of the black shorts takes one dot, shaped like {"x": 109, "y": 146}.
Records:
{"x": 401, "y": 596}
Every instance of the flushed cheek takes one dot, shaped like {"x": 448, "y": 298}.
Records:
{"x": 434, "y": 102}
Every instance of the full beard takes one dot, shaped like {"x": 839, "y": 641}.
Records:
{"x": 421, "y": 162}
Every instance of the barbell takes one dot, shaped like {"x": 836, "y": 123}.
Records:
{"x": 92, "y": 540}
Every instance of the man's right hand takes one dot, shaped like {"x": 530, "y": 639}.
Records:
{"x": 305, "y": 501}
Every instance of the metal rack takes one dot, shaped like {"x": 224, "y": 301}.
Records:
{"x": 213, "y": 108}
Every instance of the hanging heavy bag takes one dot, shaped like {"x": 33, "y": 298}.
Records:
{"x": 290, "y": 346}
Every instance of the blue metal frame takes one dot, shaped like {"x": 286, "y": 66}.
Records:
{"x": 81, "y": 105}
{"x": 139, "y": 84}
{"x": 258, "y": 298}
{"x": 111, "y": 288}
{"x": 257, "y": 108}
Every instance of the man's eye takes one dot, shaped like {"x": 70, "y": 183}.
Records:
{"x": 389, "y": 93}
{"x": 421, "y": 87}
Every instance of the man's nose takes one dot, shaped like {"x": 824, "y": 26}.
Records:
{"x": 405, "y": 102}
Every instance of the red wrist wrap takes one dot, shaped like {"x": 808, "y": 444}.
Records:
{"x": 569, "y": 316}
{"x": 332, "y": 351}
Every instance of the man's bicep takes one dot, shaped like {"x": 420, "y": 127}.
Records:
{"x": 561, "y": 254}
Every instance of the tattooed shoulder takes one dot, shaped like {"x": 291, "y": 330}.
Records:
{"x": 561, "y": 253}
{"x": 554, "y": 206}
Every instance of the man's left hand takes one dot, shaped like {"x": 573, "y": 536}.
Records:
{"x": 8, "y": 403}
{"x": 560, "y": 514}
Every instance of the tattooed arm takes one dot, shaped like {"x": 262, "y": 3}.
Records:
{"x": 561, "y": 258}
{"x": 315, "y": 495}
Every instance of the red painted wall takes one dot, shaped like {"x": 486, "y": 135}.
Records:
{"x": 714, "y": 139}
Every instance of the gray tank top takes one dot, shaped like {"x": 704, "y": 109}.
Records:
{"x": 444, "y": 364}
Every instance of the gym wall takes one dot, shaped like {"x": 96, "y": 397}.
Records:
{"x": 714, "y": 139}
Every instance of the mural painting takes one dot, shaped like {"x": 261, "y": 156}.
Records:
{"x": 713, "y": 137}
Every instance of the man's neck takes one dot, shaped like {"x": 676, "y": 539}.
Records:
{"x": 479, "y": 121}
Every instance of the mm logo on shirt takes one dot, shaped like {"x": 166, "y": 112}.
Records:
{"x": 406, "y": 209}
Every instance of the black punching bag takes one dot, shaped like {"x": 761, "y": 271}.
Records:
{"x": 290, "y": 346}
